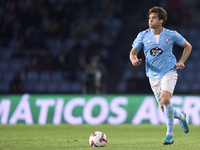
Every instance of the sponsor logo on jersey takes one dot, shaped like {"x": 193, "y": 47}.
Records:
{"x": 156, "y": 51}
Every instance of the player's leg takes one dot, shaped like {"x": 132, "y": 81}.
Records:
{"x": 156, "y": 88}
{"x": 183, "y": 122}
{"x": 181, "y": 116}
{"x": 168, "y": 82}
{"x": 169, "y": 116}
{"x": 182, "y": 119}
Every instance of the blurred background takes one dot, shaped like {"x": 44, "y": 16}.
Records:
{"x": 82, "y": 46}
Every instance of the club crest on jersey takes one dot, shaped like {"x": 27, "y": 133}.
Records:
{"x": 166, "y": 39}
{"x": 156, "y": 51}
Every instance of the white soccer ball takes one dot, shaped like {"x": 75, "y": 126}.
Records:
{"x": 98, "y": 139}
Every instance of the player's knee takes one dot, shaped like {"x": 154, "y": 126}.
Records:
{"x": 165, "y": 100}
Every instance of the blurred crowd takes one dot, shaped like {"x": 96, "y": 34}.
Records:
{"x": 68, "y": 46}
{"x": 56, "y": 35}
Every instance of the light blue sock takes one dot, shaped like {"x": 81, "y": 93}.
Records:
{"x": 169, "y": 117}
{"x": 177, "y": 114}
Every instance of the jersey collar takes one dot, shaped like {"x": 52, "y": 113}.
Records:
{"x": 160, "y": 32}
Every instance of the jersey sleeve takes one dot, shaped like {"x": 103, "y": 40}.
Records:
{"x": 137, "y": 43}
{"x": 179, "y": 40}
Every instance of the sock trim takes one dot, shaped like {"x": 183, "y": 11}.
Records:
{"x": 171, "y": 134}
{"x": 183, "y": 117}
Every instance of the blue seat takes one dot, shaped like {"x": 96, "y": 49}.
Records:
{"x": 1, "y": 77}
{"x": 190, "y": 75}
{"x": 32, "y": 76}
{"x": 127, "y": 74}
{"x": 69, "y": 43}
{"x": 80, "y": 75}
{"x": 3, "y": 65}
{"x": 25, "y": 63}
{"x": 44, "y": 76}
{"x": 56, "y": 76}
{"x": 23, "y": 76}
{"x": 195, "y": 86}
{"x": 64, "y": 87}
{"x": 52, "y": 87}
{"x": 8, "y": 76}
{"x": 198, "y": 76}
{"x": 190, "y": 65}
{"x": 76, "y": 87}
{"x": 29, "y": 87}
{"x": 6, "y": 54}
{"x": 40, "y": 87}
{"x": 194, "y": 55}
{"x": 121, "y": 87}
{"x": 16, "y": 65}
{"x": 183, "y": 87}
{"x": 4, "y": 87}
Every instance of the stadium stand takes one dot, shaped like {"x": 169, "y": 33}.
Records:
{"x": 50, "y": 42}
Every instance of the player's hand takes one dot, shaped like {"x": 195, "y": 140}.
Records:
{"x": 180, "y": 65}
{"x": 135, "y": 61}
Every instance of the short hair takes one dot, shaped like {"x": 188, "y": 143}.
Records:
{"x": 162, "y": 14}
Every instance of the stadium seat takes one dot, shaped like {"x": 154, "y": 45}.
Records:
{"x": 29, "y": 87}
{"x": 122, "y": 86}
{"x": 3, "y": 65}
{"x": 52, "y": 87}
{"x": 16, "y": 65}
{"x": 23, "y": 76}
{"x": 56, "y": 76}
{"x": 4, "y": 87}
{"x": 195, "y": 86}
{"x": 32, "y": 76}
{"x": 6, "y": 54}
{"x": 8, "y": 76}
{"x": 44, "y": 76}
{"x": 64, "y": 87}
{"x": 80, "y": 75}
{"x": 76, "y": 87}
{"x": 183, "y": 87}
{"x": 190, "y": 65}
{"x": 40, "y": 87}
{"x": 69, "y": 43}
{"x": 189, "y": 75}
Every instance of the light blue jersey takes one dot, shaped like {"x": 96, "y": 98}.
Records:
{"x": 159, "y": 57}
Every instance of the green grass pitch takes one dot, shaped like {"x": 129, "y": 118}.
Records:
{"x": 120, "y": 137}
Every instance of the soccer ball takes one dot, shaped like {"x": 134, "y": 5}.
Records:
{"x": 98, "y": 139}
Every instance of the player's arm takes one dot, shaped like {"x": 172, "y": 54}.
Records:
{"x": 133, "y": 57}
{"x": 186, "y": 52}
